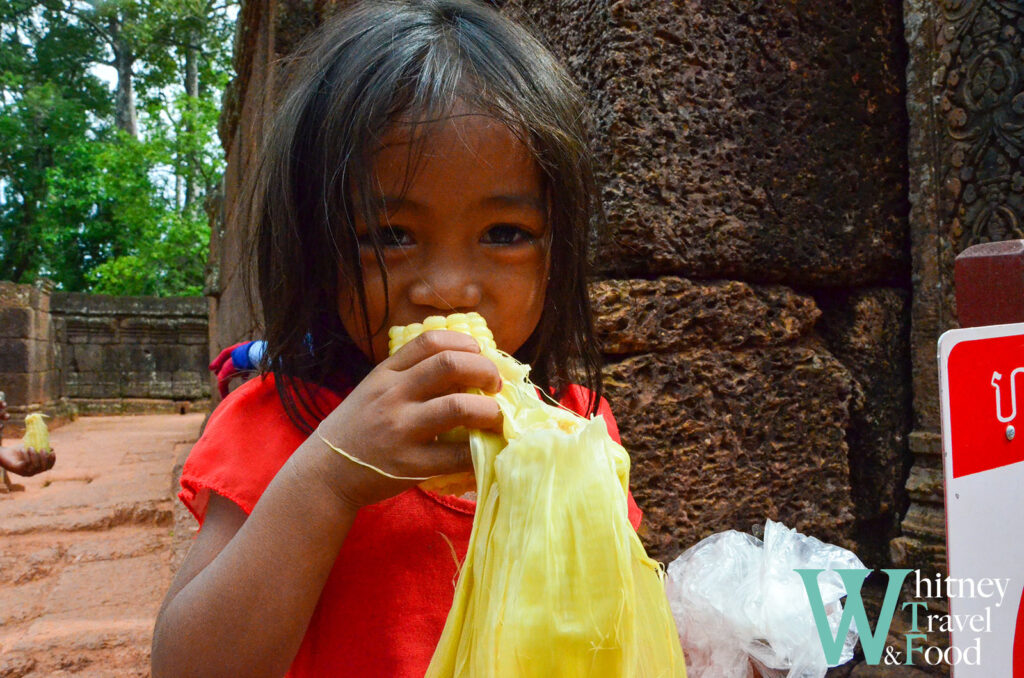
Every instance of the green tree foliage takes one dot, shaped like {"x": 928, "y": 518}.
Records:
{"x": 87, "y": 199}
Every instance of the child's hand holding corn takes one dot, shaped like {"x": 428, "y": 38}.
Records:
{"x": 26, "y": 461}
{"x": 392, "y": 419}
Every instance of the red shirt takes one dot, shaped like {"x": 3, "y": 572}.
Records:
{"x": 385, "y": 602}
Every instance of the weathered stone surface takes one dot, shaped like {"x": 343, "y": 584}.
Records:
{"x": 15, "y": 295}
{"x": 842, "y": 671}
{"x": 26, "y": 354}
{"x": 105, "y": 353}
{"x": 926, "y": 485}
{"x": 29, "y": 374}
{"x": 868, "y": 331}
{"x": 100, "y": 305}
{"x": 725, "y": 439}
{"x": 16, "y": 386}
{"x": 756, "y": 141}
{"x": 671, "y": 314}
{"x": 133, "y": 347}
{"x": 16, "y": 322}
{"x": 927, "y": 553}
{"x": 14, "y": 354}
{"x": 120, "y": 406}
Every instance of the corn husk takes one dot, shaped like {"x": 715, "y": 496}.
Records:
{"x": 555, "y": 581}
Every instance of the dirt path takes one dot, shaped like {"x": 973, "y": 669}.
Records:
{"x": 86, "y": 549}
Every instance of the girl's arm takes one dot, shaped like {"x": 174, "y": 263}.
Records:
{"x": 241, "y": 601}
{"x": 243, "y": 598}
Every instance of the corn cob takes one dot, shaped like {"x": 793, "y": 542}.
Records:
{"x": 36, "y": 435}
{"x": 555, "y": 581}
{"x": 472, "y": 324}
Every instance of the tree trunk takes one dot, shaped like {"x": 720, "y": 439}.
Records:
{"x": 124, "y": 62}
{"x": 23, "y": 253}
{"x": 192, "y": 91}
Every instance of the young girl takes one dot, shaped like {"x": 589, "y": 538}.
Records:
{"x": 428, "y": 158}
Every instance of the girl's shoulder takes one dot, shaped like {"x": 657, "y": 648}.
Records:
{"x": 245, "y": 442}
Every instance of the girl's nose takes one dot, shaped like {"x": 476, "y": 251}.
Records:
{"x": 446, "y": 287}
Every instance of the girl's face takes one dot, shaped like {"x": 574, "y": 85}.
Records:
{"x": 467, "y": 232}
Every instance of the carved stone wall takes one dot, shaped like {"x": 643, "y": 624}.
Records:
{"x": 131, "y": 353}
{"x": 966, "y": 104}
{"x": 64, "y": 353}
{"x": 755, "y": 276}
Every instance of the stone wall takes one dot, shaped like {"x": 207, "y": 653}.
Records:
{"x": 29, "y": 353}
{"x": 130, "y": 353}
{"x": 753, "y": 300}
{"x": 63, "y": 353}
{"x": 754, "y": 164}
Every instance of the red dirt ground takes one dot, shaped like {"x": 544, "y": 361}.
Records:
{"x": 87, "y": 549}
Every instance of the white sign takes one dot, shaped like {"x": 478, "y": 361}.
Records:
{"x": 980, "y": 371}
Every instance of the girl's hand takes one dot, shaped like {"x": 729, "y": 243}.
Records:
{"x": 25, "y": 461}
{"x": 392, "y": 419}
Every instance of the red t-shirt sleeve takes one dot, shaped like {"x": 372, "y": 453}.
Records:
{"x": 247, "y": 440}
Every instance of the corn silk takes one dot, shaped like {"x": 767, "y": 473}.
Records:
{"x": 555, "y": 580}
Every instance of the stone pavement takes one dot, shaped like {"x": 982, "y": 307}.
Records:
{"x": 87, "y": 550}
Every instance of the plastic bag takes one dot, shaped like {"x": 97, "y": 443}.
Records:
{"x": 738, "y": 602}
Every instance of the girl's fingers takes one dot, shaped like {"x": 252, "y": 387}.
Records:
{"x": 34, "y": 462}
{"x": 450, "y": 372}
{"x": 428, "y": 344}
{"x": 448, "y": 458}
{"x": 444, "y": 413}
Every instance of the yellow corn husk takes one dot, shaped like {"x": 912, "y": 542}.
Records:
{"x": 36, "y": 434}
{"x": 555, "y": 581}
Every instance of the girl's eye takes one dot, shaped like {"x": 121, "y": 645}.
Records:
{"x": 388, "y": 236}
{"x": 507, "y": 234}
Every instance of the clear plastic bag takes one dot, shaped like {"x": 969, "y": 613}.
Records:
{"x": 738, "y": 603}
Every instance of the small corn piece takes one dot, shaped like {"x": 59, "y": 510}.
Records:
{"x": 36, "y": 434}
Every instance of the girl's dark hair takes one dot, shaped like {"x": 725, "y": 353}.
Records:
{"x": 376, "y": 65}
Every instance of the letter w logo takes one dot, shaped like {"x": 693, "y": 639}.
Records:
{"x": 853, "y": 612}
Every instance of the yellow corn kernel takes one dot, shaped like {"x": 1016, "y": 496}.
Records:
{"x": 36, "y": 434}
{"x": 555, "y": 580}
{"x": 472, "y": 324}
{"x": 435, "y": 322}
